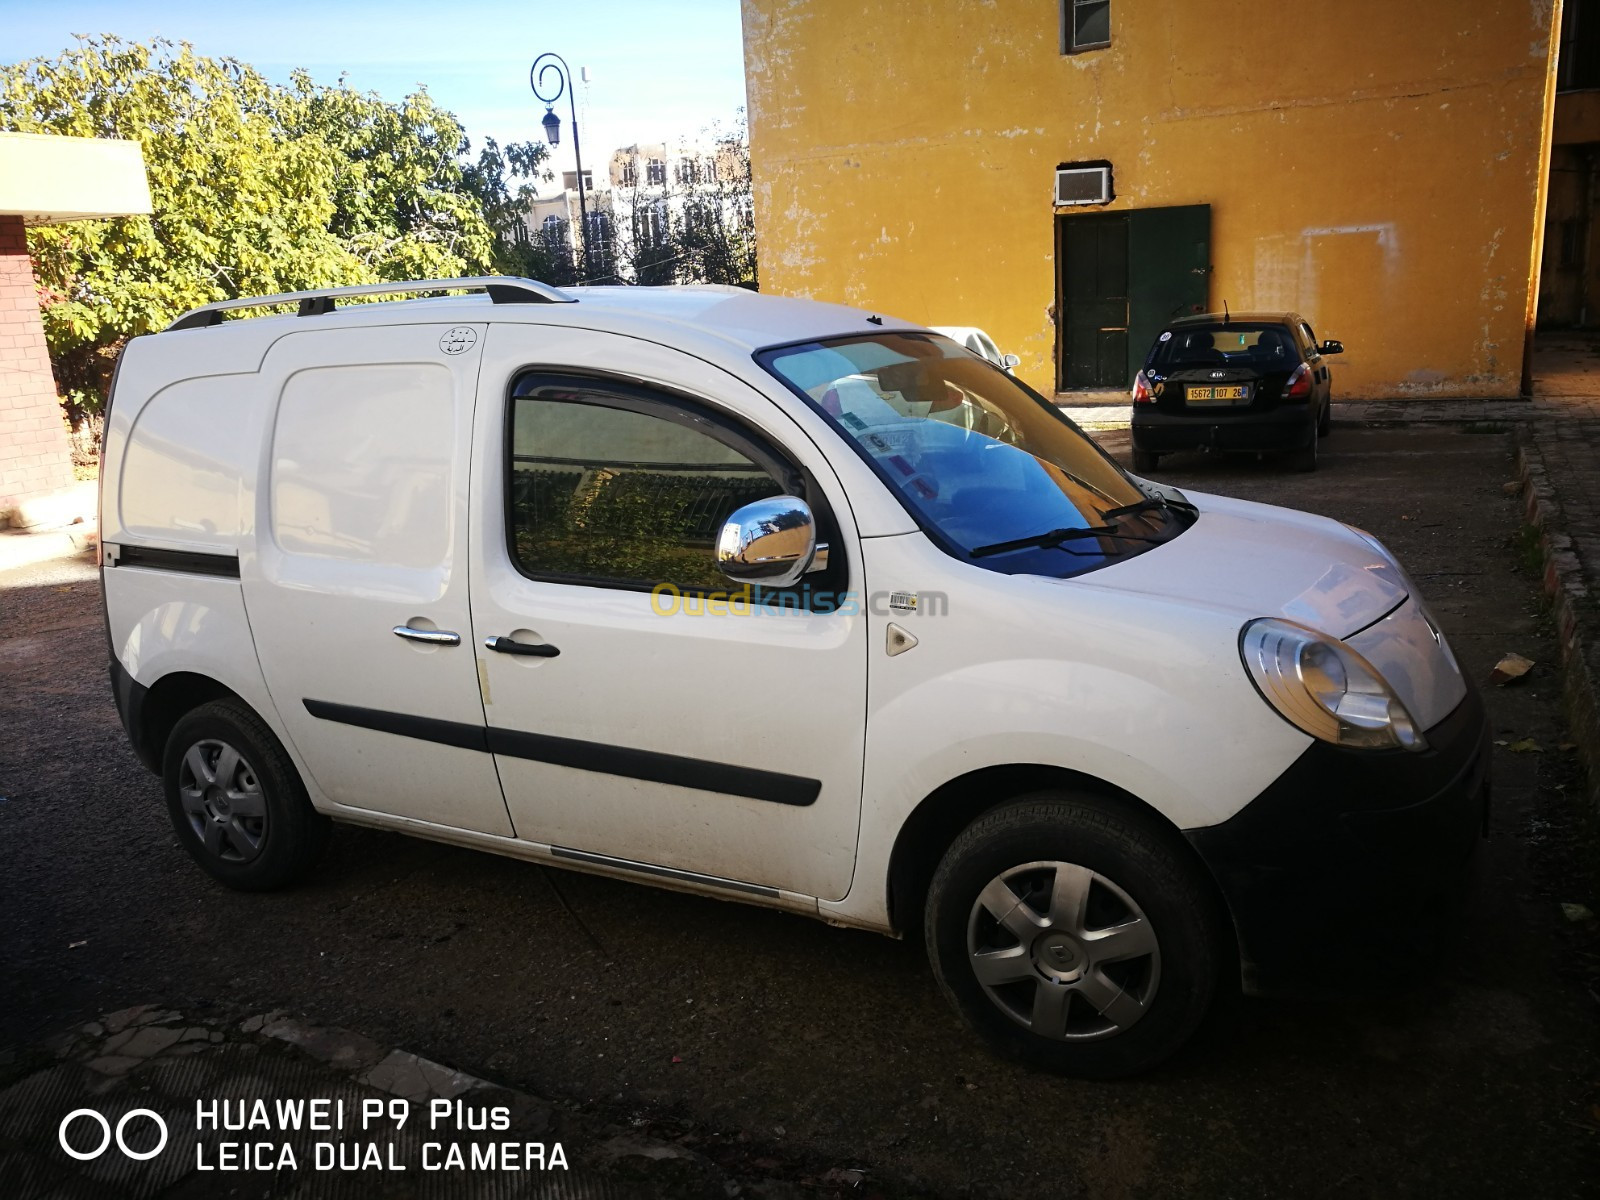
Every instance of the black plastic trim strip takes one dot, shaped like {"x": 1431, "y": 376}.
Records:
{"x": 426, "y": 729}
{"x": 189, "y": 562}
{"x": 648, "y": 765}
{"x": 639, "y": 868}
{"x": 655, "y": 767}
{"x": 203, "y": 319}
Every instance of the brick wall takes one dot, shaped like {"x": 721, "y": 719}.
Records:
{"x": 35, "y": 458}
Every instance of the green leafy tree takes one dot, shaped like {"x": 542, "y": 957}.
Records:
{"x": 255, "y": 187}
{"x": 715, "y": 236}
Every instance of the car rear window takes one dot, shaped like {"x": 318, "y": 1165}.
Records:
{"x": 1211, "y": 345}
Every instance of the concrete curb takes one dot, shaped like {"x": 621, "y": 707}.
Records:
{"x": 1571, "y": 606}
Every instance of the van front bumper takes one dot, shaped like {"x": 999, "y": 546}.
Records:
{"x": 1350, "y": 859}
{"x": 1291, "y": 427}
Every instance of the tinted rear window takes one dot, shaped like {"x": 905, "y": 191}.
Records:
{"x": 1214, "y": 345}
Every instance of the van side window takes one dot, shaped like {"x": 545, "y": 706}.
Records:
{"x": 609, "y": 490}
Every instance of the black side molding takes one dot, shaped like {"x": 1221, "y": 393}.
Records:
{"x": 655, "y": 767}
{"x": 189, "y": 562}
{"x": 427, "y": 729}
{"x": 648, "y": 765}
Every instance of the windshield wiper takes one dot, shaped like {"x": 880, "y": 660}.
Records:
{"x": 1053, "y": 538}
{"x": 1145, "y": 505}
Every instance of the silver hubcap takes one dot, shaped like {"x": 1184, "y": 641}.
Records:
{"x": 1063, "y": 951}
{"x": 222, "y": 799}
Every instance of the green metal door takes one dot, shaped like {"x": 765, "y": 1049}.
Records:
{"x": 1169, "y": 272}
{"x": 1094, "y": 300}
{"x": 1122, "y": 277}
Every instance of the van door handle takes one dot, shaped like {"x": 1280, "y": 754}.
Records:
{"x": 505, "y": 645}
{"x": 434, "y": 637}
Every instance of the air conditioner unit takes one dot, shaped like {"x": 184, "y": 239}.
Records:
{"x": 1083, "y": 185}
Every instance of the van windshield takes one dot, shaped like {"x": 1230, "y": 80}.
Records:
{"x": 976, "y": 457}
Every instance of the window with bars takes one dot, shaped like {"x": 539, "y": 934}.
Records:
{"x": 650, "y": 224}
{"x": 554, "y": 231}
{"x": 598, "y": 233}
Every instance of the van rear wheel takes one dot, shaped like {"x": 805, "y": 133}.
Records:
{"x": 1145, "y": 461}
{"x": 236, "y": 800}
{"x": 1072, "y": 935}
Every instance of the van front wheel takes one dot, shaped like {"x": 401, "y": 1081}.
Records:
{"x": 1072, "y": 935}
{"x": 236, "y": 801}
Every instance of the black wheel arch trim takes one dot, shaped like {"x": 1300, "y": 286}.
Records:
{"x": 149, "y": 711}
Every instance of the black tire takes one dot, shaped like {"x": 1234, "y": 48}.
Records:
{"x": 1305, "y": 459}
{"x": 1145, "y": 461}
{"x": 1132, "y": 860}
{"x": 1325, "y": 418}
{"x": 215, "y": 818}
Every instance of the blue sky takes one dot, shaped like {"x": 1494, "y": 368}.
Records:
{"x": 659, "y": 69}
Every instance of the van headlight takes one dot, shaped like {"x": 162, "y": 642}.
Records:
{"x": 1322, "y": 686}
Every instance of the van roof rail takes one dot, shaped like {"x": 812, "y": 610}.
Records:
{"x": 502, "y": 289}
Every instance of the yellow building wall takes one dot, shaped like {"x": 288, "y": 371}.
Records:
{"x": 1373, "y": 165}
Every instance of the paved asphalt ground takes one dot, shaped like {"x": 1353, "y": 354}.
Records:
{"x": 1477, "y": 1078}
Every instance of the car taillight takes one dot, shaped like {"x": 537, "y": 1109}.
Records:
{"x": 1299, "y": 385}
{"x": 1141, "y": 390}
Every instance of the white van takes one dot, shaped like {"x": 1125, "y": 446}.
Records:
{"x": 774, "y": 601}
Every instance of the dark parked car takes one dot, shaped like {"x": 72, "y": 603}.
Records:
{"x": 1246, "y": 381}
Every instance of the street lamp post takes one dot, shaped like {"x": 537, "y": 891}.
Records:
{"x": 554, "y": 64}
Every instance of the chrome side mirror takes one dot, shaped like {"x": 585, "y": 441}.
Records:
{"x": 770, "y": 542}
{"x": 1332, "y": 347}
{"x": 1008, "y": 361}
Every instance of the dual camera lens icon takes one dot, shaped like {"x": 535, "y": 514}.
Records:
{"x": 106, "y": 1134}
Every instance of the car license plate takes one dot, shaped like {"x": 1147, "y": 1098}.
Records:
{"x": 1216, "y": 395}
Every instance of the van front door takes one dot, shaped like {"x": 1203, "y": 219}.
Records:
{"x": 675, "y": 733}
{"x": 357, "y": 586}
